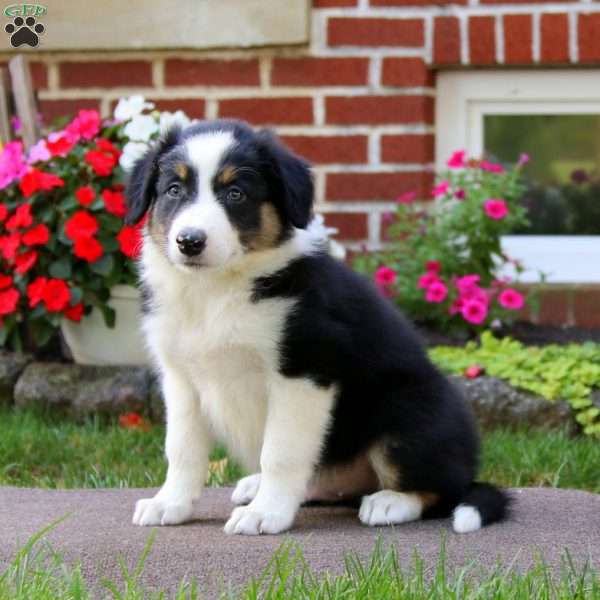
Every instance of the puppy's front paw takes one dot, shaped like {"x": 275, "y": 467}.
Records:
{"x": 247, "y": 520}
{"x": 158, "y": 511}
{"x": 246, "y": 489}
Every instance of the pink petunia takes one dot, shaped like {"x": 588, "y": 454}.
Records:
{"x": 406, "y": 198}
{"x": 426, "y": 280}
{"x": 440, "y": 189}
{"x": 495, "y": 208}
{"x": 523, "y": 159}
{"x": 474, "y": 311}
{"x": 460, "y": 194}
{"x": 38, "y": 153}
{"x": 466, "y": 284}
{"x": 457, "y": 160}
{"x": 484, "y": 165}
{"x": 436, "y": 292}
{"x": 385, "y": 276}
{"x": 12, "y": 163}
{"x": 433, "y": 266}
{"x": 511, "y": 299}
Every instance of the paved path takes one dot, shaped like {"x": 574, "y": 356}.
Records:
{"x": 99, "y": 529}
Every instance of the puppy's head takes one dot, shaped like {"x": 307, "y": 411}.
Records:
{"x": 216, "y": 191}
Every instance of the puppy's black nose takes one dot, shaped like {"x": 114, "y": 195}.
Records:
{"x": 191, "y": 241}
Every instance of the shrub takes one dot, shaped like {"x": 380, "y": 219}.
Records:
{"x": 569, "y": 372}
{"x": 443, "y": 265}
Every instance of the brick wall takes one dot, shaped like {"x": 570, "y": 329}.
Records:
{"x": 358, "y": 101}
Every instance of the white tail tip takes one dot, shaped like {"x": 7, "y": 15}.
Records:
{"x": 466, "y": 519}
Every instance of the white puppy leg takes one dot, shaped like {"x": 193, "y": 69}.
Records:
{"x": 188, "y": 445}
{"x": 246, "y": 489}
{"x": 298, "y": 415}
{"x": 388, "y": 508}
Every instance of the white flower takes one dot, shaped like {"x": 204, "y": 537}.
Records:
{"x": 128, "y": 108}
{"x": 168, "y": 119}
{"x": 141, "y": 128}
{"x": 132, "y": 152}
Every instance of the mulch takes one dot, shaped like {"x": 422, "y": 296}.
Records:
{"x": 544, "y": 523}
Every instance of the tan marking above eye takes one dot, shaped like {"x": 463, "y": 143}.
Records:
{"x": 182, "y": 170}
{"x": 226, "y": 175}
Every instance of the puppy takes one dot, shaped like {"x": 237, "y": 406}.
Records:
{"x": 263, "y": 342}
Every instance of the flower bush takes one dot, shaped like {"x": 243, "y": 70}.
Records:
{"x": 443, "y": 265}
{"x": 63, "y": 242}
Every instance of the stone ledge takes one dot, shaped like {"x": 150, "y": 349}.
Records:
{"x": 82, "y": 390}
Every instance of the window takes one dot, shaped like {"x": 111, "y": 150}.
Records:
{"x": 554, "y": 116}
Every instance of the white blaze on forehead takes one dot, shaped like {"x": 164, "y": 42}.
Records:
{"x": 205, "y": 152}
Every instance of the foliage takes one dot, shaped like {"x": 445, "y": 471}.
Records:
{"x": 38, "y": 572}
{"x": 570, "y": 372}
{"x": 442, "y": 265}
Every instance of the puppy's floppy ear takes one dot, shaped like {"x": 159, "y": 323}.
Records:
{"x": 292, "y": 179}
{"x": 141, "y": 187}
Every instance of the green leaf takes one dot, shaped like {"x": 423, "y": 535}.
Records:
{"x": 108, "y": 314}
{"x": 103, "y": 266}
{"x": 61, "y": 269}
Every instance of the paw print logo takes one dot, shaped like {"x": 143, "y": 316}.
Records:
{"x": 24, "y": 32}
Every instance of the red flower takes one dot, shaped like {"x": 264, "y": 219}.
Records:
{"x": 85, "y": 195}
{"x": 8, "y": 301}
{"x": 37, "y": 236}
{"x": 5, "y": 281}
{"x": 74, "y": 313}
{"x": 433, "y": 266}
{"x": 86, "y": 124}
{"x": 3, "y": 212}
{"x": 474, "y": 371}
{"x": 35, "y": 291}
{"x": 35, "y": 180}
{"x": 9, "y": 244}
{"x": 107, "y": 146}
{"x": 21, "y": 218}
{"x": 114, "y": 202}
{"x": 101, "y": 162}
{"x": 56, "y": 295}
{"x": 25, "y": 261}
{"x": 133, "y": 420}
{"x": 60, "y": 144}
{"x": 81, "y": 224}
{"x": 130, "y": 241}
{"x": 88, "y": 248}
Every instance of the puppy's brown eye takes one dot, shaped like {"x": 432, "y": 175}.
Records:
{"x": 235, "y": 195}
{"x": 174, "y": 190}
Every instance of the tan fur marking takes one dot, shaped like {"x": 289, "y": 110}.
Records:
{"x": 428, "y": 498}
{"x": 226, "y": 175}
{"x": 157, "y": 233}
{"x": 386, "y": 472}
{"x": 269, "y": 230}
{"x": 182, "y": 170}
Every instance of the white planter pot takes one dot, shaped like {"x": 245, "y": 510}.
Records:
{"x": 92, "y": 343}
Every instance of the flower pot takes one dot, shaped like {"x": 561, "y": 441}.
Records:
{"x": 93, "y": 343}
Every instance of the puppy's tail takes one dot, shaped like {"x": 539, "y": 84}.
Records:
{"x": 482, "y": 504}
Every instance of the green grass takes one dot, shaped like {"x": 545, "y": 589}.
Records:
{"x": 39, "y": 573}
{"x": 48, "y": 452}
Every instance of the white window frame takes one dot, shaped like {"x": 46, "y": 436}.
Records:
{"x": 464, "y": 98}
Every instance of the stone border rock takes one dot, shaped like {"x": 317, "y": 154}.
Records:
{"x": 81, "y": 390}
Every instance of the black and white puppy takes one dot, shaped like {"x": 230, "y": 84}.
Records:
{"x": 265, "y": 343}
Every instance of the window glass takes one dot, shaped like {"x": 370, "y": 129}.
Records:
{"x": 563, "y": 174}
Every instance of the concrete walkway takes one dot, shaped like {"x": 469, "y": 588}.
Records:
{"x": 99, "y": 529}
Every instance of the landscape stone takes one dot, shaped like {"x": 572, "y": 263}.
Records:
{"x": 11, "y": 366}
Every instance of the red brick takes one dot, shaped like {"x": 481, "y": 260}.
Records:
{"x": 123, "y": 73}
{"x": 192, "y": 107}
{"x": 553, "y": 307}
{"x": 446, "y": 41}
{"x": 269, "y": 111}
{"x": 211, "y": 72}
{"x": 554, "y": 39}
{"x": 53, "y": 109}
{"x": 351, "y": 226}
{"x": 320, "y": 71}
{"x": 406, "y": 72}
{"x": 517, "y": 39}
{"x": 333, "y": 3}
{"x": 521, "y": 1}
{"x": 378, "y": 109}
{"x": 410, "y": 148}
{"x": 586, "y": 307}
{"x": 415, "y": 2}
{"x": 589, "y": 37}
{"x": 375, "y": 186}
{"x": 39, "y": 73}
{"x": 329, "y": 149}
{"x": 342, "y": 31}
{"x": 482, "y": 40}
